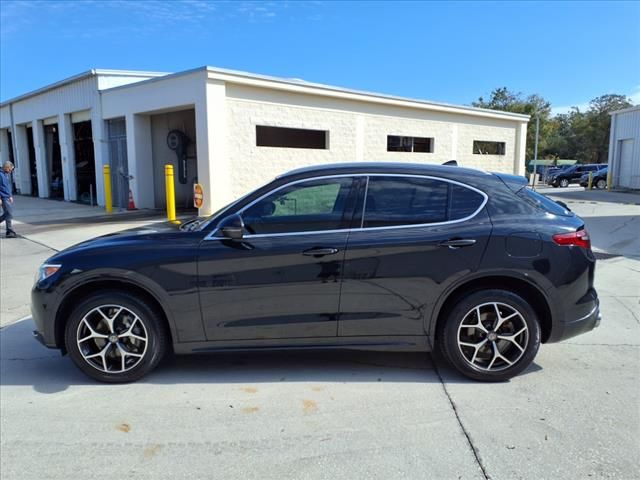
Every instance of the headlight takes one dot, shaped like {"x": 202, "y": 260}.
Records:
{"x": 46, "y": 270}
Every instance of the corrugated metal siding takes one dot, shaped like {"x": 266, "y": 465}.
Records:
{"x": 80, "y": 95}
{"x": 5, "y": 117}
{"x": 627, "y": 126}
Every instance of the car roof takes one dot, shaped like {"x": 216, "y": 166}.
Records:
{"x": 384, "y": 167}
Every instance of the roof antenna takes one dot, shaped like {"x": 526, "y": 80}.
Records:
{"x": 451, "y": 163}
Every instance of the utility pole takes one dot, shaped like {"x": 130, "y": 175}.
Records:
{"x": 535, "y": 151}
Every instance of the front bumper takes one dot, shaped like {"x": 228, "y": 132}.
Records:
{"x": 43, "y": 314}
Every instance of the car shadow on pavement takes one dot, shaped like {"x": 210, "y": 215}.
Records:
{"x": 23, "y": 361}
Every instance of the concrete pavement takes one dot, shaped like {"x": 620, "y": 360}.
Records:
{"x": 344, "y": 415}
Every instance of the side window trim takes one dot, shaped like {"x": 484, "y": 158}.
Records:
{"x": 212, "y": 234}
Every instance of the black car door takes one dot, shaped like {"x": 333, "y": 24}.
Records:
{"x": 418, "y": 234}
{"x": 282, "y": 280}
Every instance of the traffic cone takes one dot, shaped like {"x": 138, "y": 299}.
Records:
{"x": 131, "y": 206}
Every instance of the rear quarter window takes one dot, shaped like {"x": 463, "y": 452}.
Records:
{"x": 542, "y": 202}
{"x": 463, "y": 202}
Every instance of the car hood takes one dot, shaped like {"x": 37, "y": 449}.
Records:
{"x": 145, "y": 232}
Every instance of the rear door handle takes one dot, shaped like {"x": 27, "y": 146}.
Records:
{"x": 320, "y": 252}
{"x": 456, "y": 243}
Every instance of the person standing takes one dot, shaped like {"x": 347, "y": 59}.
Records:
{"x": 6, "y": 198}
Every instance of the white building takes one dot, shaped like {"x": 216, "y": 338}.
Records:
{"x": 624, "y": 148}
{"x": 233, "y": 131}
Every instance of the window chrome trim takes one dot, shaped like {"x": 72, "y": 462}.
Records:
{"x": 211, "y": 236}
{"x": 364, "y": 203}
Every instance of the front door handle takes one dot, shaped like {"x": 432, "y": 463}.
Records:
{"x": 456, "y": 243}
{"x": 320, "y": 252}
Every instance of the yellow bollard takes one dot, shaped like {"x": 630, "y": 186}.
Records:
{"x": 171, "y": 195}
{"x": 590, "y": 183}
{"x": 108, "y": 199}
{"x": 609, "y": 179}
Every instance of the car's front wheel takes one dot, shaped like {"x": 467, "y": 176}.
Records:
{"x": 490, "y": 335}
{"x": 564, "y": 183}
{"x": 115, "y": 337}
{"x": 601, "y": 184}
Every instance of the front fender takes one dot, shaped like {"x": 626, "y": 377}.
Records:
{"x": 109, "y": 278}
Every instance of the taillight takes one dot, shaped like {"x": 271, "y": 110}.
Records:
{"x": 579, "y": 239}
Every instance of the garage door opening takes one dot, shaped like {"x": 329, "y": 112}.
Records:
{"x": 11, "y": 159}
{"x": 118, "y": 161}
{"x": 54, "y": 161}
{"x": 33, "y": 169}
{"x": 85, "y": 163}
{"x": 173, "y": 141}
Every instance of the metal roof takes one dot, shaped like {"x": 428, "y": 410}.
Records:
{"x": 265, "y": 81}
{"x": 626, "y": 110}
{"x": 283, "y": 83}
{"x": 89, "y": 73}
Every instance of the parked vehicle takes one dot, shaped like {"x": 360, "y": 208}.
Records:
{"x": 382, "y": 256}
{"x": 551, "y": 171}
{"x": 599, "y": 179}
{"x": 572, "y": 175}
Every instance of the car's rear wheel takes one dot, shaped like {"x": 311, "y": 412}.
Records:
{"x": 115, "y": 337}
{"x": 490, "y": 335}
{"x": 564, "y": 183}
{"x": 601, "y": 184}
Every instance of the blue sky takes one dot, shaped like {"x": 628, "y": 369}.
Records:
{"x": 443, "y": 51}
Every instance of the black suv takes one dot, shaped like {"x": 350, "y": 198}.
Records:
{"x": 357, "y": 256}
{"x": 572, "y": 174}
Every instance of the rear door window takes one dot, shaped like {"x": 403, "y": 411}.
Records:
{"x": 396, "y": 201}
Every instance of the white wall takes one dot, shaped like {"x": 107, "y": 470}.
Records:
{"x": 357, "y": 131}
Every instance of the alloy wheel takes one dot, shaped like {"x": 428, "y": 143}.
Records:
{"x": 493, "y": 336}
{"x": 112, "y": 338}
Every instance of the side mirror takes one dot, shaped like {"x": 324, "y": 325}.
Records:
{"x": 232, "y": 227}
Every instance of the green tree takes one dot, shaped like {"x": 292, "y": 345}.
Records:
{"x": 583, "y": 136}
{"x": 508, "y": 101}
{"x": 598, "y": 125}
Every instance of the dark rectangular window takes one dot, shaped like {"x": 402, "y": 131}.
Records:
{"x": 393, "y": 201}
{"x": 481, "y": 147}
{"x": 290, "y": 137}
{"x": 396, "y": 143}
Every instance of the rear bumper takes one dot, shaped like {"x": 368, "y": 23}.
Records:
{"x": 565, "y": 330}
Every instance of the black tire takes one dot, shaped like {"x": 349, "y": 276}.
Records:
{"x": 601, "y": 184}
{"x": 139, "y": 358}
{"x": 564, "y": 183}
{"x": 476, "y": 367}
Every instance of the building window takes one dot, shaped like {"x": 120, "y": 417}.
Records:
{"x": 396, "y": 143}
{"x": 481, "y": 147}
{"x": 290, "y": 137}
